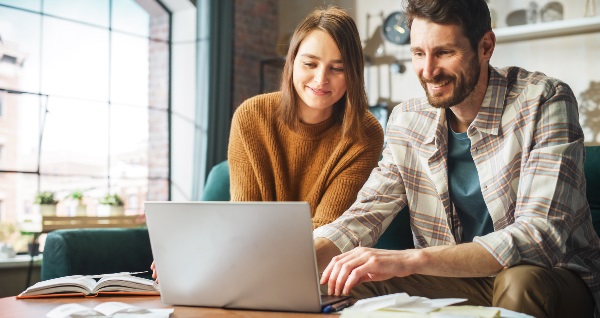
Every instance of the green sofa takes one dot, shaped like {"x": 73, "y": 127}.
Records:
{"x": 98, "y": 251}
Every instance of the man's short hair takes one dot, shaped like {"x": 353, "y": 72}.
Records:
{"x": 473, "y": 16}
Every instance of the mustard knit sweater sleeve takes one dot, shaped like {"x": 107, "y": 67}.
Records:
{"x": 271, "y": 162}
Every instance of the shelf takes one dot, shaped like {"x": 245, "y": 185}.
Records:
{"x": 547, "y": 29}
{"x": 20, "y": 261}
{"x": 45, "y": 224}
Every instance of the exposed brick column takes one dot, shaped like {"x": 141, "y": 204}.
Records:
{"x": 256, "y": 29}
{"x": 158, "y": 134}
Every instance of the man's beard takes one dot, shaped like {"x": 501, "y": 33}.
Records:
{"x": 463, "y": 87}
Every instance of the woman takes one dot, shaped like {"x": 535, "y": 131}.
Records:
{"x": 315, "y": 140}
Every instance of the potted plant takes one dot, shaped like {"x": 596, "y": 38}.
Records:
{"x": 45, "y": 203}
{"x": 111, "y": 205}
{"x": 76, "y": 205}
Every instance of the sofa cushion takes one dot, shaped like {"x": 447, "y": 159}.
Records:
{"x": 398, "y": 235}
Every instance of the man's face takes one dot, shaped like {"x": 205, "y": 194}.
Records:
{"x": 444, "y": 61}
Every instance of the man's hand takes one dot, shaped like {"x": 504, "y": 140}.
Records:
{"x": 368, "y": 264}
{"x": 364, "y": 264}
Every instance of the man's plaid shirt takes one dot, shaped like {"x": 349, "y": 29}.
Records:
{"x": 527, "y": 145}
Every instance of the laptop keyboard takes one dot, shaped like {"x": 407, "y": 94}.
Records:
{"x": 330, "y": 299}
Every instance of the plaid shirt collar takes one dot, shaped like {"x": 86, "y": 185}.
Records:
{"x": 488, "y": 120}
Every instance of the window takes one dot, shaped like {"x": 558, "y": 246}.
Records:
{"x": 87, "y": 84}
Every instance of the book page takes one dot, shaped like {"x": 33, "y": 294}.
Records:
{"x": 125, "y": 284}
{"x": 69, "y": 284}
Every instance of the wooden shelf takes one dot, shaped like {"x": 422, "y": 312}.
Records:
{"x": 51, "y": 223}
{"x": 515, "y": 34}
{"x": 547, "y": 29}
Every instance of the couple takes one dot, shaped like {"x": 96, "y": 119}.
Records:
{"x": 490, "y": 165}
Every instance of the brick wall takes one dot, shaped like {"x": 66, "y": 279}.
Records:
{"x": 255, "y": 38}
{"x": 158, "y": 97}
{"x": 256, "y": 28}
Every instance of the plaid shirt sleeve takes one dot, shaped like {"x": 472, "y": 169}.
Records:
{"x": 378, "y": 202}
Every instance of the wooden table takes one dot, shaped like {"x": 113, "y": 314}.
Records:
{"x": 10, "y": 307}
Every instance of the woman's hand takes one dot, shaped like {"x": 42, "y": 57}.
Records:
{"x": 154, "y": 272}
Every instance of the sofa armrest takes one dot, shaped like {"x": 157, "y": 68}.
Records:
{"x": 96, "y": 251}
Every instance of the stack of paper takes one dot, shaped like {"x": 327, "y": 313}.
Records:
{"x": 393, "y": 305}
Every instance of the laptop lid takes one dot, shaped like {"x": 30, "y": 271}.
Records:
{"x": 250, "y": 255}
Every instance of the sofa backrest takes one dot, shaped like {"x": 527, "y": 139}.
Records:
{"x": 216, "y": 187}
{"x": 96, "y": 251}
{"x": 592, "y": 178}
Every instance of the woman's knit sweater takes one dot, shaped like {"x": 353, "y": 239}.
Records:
{"x": 271, "y": 162}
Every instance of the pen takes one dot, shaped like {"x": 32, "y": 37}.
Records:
{"x": 337, "y": 306}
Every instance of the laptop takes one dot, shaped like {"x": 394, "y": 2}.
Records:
{"x": 243, "y": 255}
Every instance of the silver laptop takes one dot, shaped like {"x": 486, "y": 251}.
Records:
{"x": 248, "y": 255}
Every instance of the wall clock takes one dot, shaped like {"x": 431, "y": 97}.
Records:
{"x": 394, "y": 28}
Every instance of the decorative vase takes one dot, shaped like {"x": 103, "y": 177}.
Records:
{"x": 45, "y": 209}
{"x": 77, "y": 210}
{"x": 109, "y": 210}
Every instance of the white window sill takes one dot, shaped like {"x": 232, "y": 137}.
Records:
{"x": 20, "y": 261}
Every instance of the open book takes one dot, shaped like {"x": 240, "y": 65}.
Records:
{"x": 87, "y": 286}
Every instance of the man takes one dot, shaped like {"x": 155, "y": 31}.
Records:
{"x": 490, "y": 165}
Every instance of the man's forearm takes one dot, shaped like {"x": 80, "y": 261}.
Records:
{"x": 325, "y": 250}
{"x": 463, "y": 260}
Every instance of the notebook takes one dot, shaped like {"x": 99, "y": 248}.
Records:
{"x": 246, "y": 255}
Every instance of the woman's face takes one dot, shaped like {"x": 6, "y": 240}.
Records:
{"x": 318, "y": 77}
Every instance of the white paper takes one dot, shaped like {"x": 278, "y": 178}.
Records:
{"x": 108, "y": 309}
{"x": 425, "y": 305}
{"x": 69, "y": 310}
{"x": 505, "y": 313}
{"x": 379, "y": 302}
{"x": 146, "y": 315}
{"x": 404, "y": 302}
{"x": 112, "y": 307}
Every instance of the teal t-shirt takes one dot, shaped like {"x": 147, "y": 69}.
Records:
{"x": 465, "y": 189}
